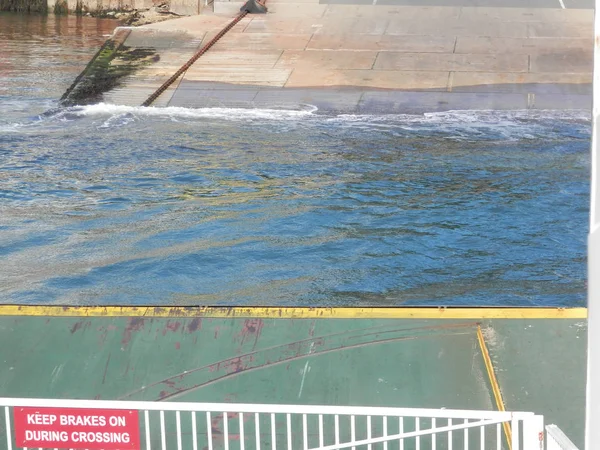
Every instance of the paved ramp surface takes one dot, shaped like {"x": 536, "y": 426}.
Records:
{"x": 384, "y": 56}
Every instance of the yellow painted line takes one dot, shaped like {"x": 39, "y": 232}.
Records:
{"x": 494, "y": 382}
{"x": 293, "y": 312}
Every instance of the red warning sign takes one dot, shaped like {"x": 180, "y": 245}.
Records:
{"x": 107, "y": 429}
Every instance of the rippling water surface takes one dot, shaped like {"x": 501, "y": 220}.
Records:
{"x": 109, "y": 204}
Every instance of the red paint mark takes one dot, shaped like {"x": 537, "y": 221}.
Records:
{"x": 177, "y": 345}
{"x": 311, "y": 331}
{"x": 171, "y": 326}
{"x": 251, "y": 329}
{"x": 235, "y": 365}
{"x": 194, "y": 325}
{"x": 77, "y": 326}
{"x": 133, "y": 324}
{"x": 106, "y": 369}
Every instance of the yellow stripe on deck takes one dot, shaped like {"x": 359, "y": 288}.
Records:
{"x": 494, "y": 383}
{"x": 293, "y": 312}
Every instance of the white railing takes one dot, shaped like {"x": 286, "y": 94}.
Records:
{"x": 214, "y": 426}
{"x": 557, "y": 440}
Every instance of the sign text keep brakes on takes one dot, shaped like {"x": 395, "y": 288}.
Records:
{"x": 107, "y": 429}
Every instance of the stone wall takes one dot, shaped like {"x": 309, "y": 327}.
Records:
{"x": 25, "y": 6}
{"x": 182, "y": 7}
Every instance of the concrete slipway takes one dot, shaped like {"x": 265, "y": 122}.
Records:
{"x": 385, "y": 56}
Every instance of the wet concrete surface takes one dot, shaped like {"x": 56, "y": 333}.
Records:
{"x": 394, "y": 58}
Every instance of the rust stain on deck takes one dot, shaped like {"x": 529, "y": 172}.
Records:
{"x": 134, "y": 324}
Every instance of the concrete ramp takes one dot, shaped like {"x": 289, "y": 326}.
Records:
{"x": 381, "y": 58}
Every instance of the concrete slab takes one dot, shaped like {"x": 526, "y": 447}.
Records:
{"x": 281, "y": 25}
{"x": 451, "y": 62}
{"x": 552, "y": 14}
{"x": 578, "y": 84}
{"x": 403, "y": 12}
{"x": 383, "y": 79}
{"x": 243, "y": 75}
{"x": 262, "y": 41}
{"x": 574, "y": 61}
{"x": 297, "y": 9}
{"x": 558, "y": 102}
{"x": 408, "y": 44}
{"x": 239, "y": 58}
{"x": 190, "y": 96}
{"x": 355, "y": 25}
{"x": 568, "y": 30}
{"x": 324, "y": 59}
{"x": 395, "y": 102}
{"x": 471, "y": 44}
{"x": 458, "y": 27}
{"x": 333, "y": 101}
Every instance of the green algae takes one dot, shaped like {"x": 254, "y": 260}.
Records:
{"x": 106, "y": 70}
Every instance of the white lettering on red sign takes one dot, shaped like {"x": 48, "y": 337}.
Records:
{"x": 72, "y": 427}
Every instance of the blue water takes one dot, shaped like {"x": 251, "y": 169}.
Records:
{"x": 114, "y": 205}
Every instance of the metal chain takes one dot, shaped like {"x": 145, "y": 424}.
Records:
{"x": 193, "y": 59}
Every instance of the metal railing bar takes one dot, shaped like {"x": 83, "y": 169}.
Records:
{"x": 209, "y": 431}
{"x": 163, "y": 435}
{"x": 337, "y": 428}
{"x": 194, "y": 432}
{"x": 433, "y": 435}
{"x": 385, "y": 433}
{"x": 257, "y": 430}
{"x": 273, "y": 435}
{"x": 482, "y": 438}
{"x": 515, "y": 434}
{"x": 352, "y": 431}
{"x": 304, "y": 432}
{"x": 226, "y": 430}
{"x": 288, "y": 419}
{"x": 369, "y": 435}
{"x": 410, "y": 434}
{"x": 401, "y": 430}
{"x": 242, "y": 438}
{"x": 178, "y": 426}
{"x": 498, "y": 437}
{"x": 147, "y": 428}
{"x": 8, "y": 429}
{"x": 417, "y": 426}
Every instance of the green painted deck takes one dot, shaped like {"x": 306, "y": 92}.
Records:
{"x": 437, "y": 363}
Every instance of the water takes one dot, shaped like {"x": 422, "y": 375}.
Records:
{"x": 107, "y": 204}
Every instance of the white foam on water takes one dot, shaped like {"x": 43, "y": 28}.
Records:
{"x": 467, "y": 124}
{"x": 174, "y": 112}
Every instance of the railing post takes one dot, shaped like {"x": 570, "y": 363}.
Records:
{"x": 533, "y": 433}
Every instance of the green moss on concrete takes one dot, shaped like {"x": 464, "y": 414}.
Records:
{"x": 105, "y": 71}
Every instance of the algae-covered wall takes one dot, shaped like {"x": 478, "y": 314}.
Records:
{"x": 96, "y": 6}
{"x": 25, "y": 6}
